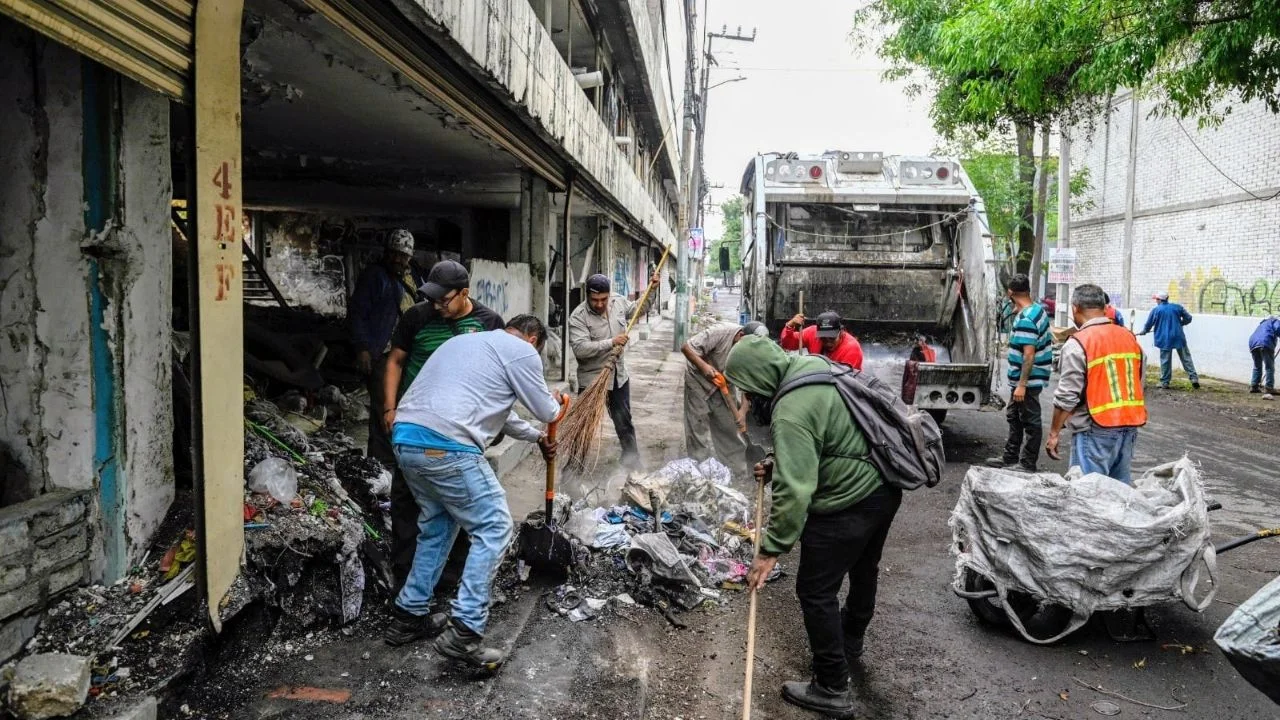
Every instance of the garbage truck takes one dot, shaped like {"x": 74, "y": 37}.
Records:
{"x": 899, "y": 247}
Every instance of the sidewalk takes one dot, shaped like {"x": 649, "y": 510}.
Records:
{"x": 657, "y": 387}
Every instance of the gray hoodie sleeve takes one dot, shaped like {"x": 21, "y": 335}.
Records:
{"x": 525, "y": 376}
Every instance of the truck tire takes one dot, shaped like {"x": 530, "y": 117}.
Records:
{"x": 938, "y": 415}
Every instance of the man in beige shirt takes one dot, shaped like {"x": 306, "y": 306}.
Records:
{"x": 596, "y": 327}
{"x": 711, "y": 425}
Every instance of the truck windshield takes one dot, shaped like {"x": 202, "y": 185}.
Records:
{"x": 841, "y": 227}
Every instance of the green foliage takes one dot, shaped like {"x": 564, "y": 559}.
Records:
{"x": 732, "y": 210}
{"x": 995, "y": 62}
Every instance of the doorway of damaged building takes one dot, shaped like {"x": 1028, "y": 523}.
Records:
{"x": 189, "y": 205}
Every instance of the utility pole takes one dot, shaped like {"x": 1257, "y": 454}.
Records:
{"x": 1063, "y": 303}
{"x": 686, "y": 160}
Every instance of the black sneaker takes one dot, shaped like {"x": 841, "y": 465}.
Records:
{"x": 1254, "y": 389}
{"x": 812, "y": 695}
{"x": 1027, "y": 468}
{"x": 1195, "y": 385}
{"x": 461, "y": 643}
{"x": 405, "y": 627}
{"x": 999, "y": 462}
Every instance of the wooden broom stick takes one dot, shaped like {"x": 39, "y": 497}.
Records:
{"x": 751, "y": 613}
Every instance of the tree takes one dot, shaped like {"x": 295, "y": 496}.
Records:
{"x": 732, "y": 237}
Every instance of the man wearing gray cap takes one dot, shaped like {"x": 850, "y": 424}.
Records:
{"x": 712, "y": 426}
{"x": 1167, "y": 319}
{"x": 596, "y": 327}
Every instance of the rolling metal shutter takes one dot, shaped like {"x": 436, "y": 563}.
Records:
{"x": 147, "y": 40}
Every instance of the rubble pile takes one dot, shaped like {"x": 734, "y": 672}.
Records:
{"x": 677, "y": 540}
{"x": 315, "y": 512}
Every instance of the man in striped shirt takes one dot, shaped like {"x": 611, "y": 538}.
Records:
{"x": 1030, "y": 363}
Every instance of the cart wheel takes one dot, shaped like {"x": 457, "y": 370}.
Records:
{"x": 1041, "y": 620}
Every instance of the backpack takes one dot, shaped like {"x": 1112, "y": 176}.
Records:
{"x": 906, "y": 444}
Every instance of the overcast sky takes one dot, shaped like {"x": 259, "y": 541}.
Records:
{"x": 808, "y": 89}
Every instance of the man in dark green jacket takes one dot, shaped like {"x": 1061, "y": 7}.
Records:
{"x": 829, "y": 497}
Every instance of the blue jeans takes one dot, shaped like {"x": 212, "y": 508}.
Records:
{"x": 1166, "y": 365}
{"x": 1263, "y": 361}
{"x": 455, "y": 490}
{"x": 1105, "y": 450}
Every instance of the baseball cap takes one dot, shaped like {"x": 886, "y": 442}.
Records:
{"x": 829, "y": 325}
{"x": 755, "y": 327}
{"x": 598, "y": 283}
{"x": 445, "y": 277}
{"x": 1160, "y": 296}
{"x": 400, "y": 241}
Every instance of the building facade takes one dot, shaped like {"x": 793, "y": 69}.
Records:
{"x": 535, "y": 140}
{"x": 1188, "y": 211}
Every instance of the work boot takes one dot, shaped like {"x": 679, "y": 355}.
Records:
{"x": 1000, "y": 462}
{"x": 1254, "y": 389}
{"x": 1195, "y": 384}
{"x": 1026, "y": 468}
{"x": 405, "y": 627}
{"x": 812, "y": 695}
{"x": 461, "y": 643}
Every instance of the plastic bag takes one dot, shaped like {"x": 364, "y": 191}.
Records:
{"x": 275, "y": 477}
{"x": 1087, "y": 543}
{"x": 1249, "y": 640}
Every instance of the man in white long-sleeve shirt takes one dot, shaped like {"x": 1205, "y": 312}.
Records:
{"x": 455, "y": 407}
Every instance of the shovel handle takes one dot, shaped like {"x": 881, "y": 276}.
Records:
{"x": 551, "y": 464}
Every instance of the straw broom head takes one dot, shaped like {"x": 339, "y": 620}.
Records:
{"x": 579, "y": 439}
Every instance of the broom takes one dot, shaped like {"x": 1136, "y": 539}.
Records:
{"x": 579, "y": 441}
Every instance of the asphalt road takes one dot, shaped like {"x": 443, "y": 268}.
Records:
{"x": 927, "y": 656}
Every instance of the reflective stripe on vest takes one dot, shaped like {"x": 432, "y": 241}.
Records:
{"x": 1113, "y": 376}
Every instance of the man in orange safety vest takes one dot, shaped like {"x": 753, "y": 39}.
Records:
{"x": 1099, "y": 395}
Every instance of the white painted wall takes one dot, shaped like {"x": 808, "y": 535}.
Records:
{"x": 505, "y": 288}
{"x": 46, "y": 372}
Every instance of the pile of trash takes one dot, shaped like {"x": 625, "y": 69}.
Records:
{"x": 677, "y": 539}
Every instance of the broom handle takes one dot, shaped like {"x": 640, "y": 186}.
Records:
{"x": 635, "y": 315}
{"x": 751, "y": 613}
{"x": 551, "y": 464}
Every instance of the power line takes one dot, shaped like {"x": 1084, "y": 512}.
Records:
{"x": 1214, "y": 165}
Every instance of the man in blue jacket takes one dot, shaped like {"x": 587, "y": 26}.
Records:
{"x": 1262, "y": 345}
{"x": 384, "y": 291}
{"x": 1167, "y": 319}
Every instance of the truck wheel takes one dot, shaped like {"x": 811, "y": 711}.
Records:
{"x": 938, "y": 415}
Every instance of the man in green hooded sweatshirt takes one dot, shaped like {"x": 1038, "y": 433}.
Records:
{"x": 829, "y": 497}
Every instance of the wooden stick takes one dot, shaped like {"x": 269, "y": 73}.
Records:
{"x": 801, "y": 302}
{"x": 751, "y": 612}
{"x": 1118, "y": 696}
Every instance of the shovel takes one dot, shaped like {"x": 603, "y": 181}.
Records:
{"x": 542, "y": 546}
{"x": 755, "y": 453}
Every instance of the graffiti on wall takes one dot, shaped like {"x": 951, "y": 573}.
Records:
{"x": 1217, "y": 295}
{"x": 622, "y": 266}
{"x": 505, "y": 288}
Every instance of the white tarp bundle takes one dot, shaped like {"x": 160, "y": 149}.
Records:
{"x": 1087, "y": 543}
{"x": 1250, "y": 641}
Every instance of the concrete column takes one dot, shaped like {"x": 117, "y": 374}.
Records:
{"x": 537, "y": 235}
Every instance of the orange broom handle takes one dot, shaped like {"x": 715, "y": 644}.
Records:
{"x": 551, "y": 464}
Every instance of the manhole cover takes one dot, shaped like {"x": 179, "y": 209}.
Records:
{"x": 1105, "y": 707}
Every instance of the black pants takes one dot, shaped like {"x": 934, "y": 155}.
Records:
{"x": 848, "y": 542}
{"x": 620, "y": 413}
{"x": 1025, "y": 430}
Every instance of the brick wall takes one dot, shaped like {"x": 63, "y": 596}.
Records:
{"x": 1196, "y": 234}
{"x": 44, "y": 550}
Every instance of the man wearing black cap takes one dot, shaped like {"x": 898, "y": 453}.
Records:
{"x": 447, "y": 311}
{"x": 825, "y": 337}
{"x": 595, "y": 327}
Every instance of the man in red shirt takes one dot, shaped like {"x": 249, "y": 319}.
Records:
{"x": 826, "y": 337}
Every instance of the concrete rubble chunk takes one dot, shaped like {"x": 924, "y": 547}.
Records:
{"x": 49, "y": 685}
